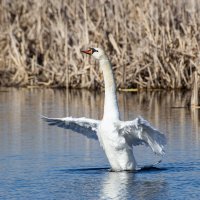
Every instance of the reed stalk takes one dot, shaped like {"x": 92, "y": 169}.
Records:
{"x": 151, "y": 43}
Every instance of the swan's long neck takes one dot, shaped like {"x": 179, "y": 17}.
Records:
{"x": 111, "y": 111}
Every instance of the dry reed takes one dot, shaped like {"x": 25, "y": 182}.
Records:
{"x": 151, "y": 43}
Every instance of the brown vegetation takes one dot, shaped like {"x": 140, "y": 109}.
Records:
{"x": 151, "y": 43}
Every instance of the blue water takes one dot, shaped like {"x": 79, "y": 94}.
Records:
{"x": 42, "y": 162}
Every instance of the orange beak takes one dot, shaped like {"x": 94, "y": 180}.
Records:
{"x": 89, "y": 51}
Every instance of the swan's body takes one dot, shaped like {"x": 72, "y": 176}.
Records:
{"x": 115, "y": 136}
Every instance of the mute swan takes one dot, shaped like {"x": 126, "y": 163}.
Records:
{"x": 115, "y": 136}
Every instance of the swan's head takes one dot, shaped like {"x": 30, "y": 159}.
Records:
{"x": 97, "y": 53}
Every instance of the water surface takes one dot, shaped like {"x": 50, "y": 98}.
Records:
{"x": 42, "y": 162}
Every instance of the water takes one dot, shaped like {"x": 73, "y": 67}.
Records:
{"x": 42, "y": 162}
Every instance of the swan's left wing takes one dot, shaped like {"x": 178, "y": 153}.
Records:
{"x": 139, "y": 131}
{"x": 85, "y": 126}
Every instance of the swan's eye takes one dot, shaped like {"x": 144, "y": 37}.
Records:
{"x": 94, "y": 50}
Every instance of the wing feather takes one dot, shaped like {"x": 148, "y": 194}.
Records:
{"x": 85, "y": 126}
{"x": 139, "y": 131}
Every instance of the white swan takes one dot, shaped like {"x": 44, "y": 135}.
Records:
{"x": 115, "y": 136}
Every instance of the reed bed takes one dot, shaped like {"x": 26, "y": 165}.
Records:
{"x": 151, "y": 43}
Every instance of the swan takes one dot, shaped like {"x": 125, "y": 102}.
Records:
{"x": 115, "y": 136}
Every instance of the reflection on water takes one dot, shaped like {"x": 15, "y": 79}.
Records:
{"x": 41, "y": 162}
{"x": 124, "y": 185}
{"x": 115, "y": 185}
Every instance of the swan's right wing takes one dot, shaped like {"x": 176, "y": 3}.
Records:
{"x": 85, "y": 126}
{"x": 139, "y": 131}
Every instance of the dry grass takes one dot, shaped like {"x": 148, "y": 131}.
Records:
{"x": 152, "y": 43}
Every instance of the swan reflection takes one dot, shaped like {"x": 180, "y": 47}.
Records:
{"x": 115, "y": 185}
{"x": 128, "y": 185}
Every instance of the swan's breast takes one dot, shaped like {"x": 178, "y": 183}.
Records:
{"x": 116, "y": 148}
{"x": 109, "y": 136}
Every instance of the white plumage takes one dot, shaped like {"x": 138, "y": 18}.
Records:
{"x": 115, "y": 136}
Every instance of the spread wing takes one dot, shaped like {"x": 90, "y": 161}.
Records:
{"x": 85, "y": 126}
{"x": 139, "y": 131}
